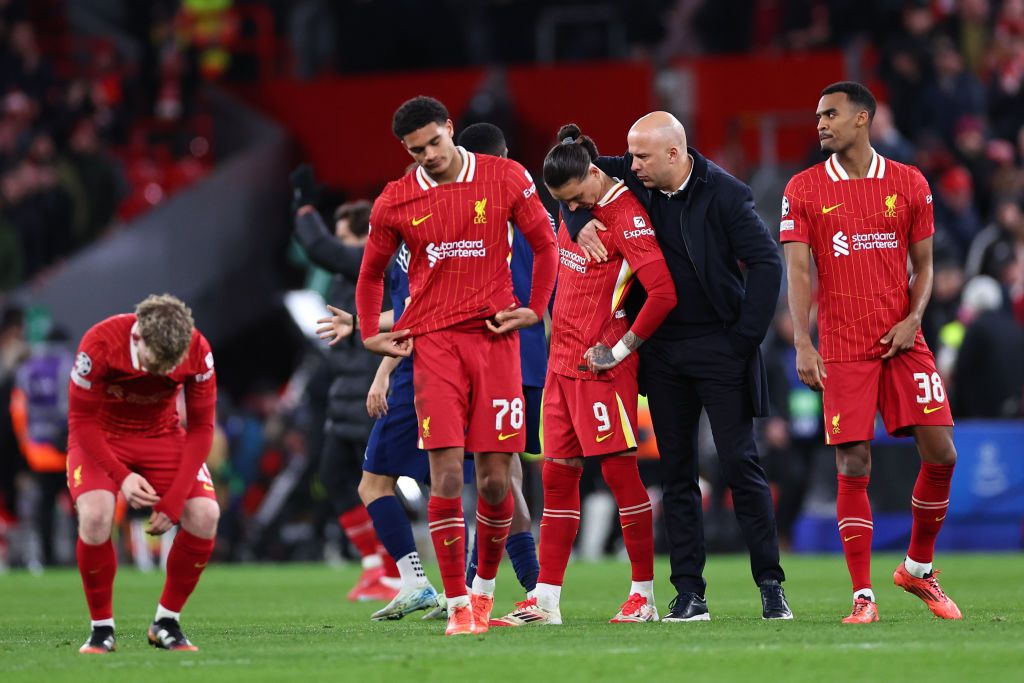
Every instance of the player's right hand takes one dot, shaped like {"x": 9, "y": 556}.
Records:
{"x": 303, "y": 187}
{"x": 590, "y": 243}
{"x": 810, "y": 367}
{"x": 336, "y": 327}
{"x": 377, "y": 398}
{"x": 395, "y": 344}
{"x": 138, "y": 492}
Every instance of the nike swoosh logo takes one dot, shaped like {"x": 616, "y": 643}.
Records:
{"x": 200, "y": 565}
{"x": 928, "y": 411}
{"x": 830, "y": 209}
{"x": 626, "y": 526}
{"x": 503, "y": 437}
{"x": 498, "y": 539}
{"x": 417, "y": 221}
{"x": 449, "y": 541}
{"x": 599, "y": 439}
{"x": 939, "y": 519}
{"x": 850, "y": 538}
{"x": 207, "y": 487}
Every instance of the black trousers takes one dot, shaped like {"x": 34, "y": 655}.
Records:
{"x": 681, "y": 377}
{"x": 341, "y": 468}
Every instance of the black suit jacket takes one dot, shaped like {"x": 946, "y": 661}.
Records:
{"x": 720, "y": 229}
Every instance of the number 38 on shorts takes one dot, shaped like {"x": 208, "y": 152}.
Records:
{"x": 907, "y": 391}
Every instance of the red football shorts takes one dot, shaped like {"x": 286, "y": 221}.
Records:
{"x": 156, "y": 458}
{"x": 589, "y": 417}
{"x": 469, "y": 391}
{"x": 906, "y": 389}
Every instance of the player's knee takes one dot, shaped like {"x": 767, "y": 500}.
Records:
{"x": 372, "y": 487}
{"x": 492, "y": 487}
{"x": 94, "y": 527}
{"x": 446, "y": 483}
{"x": 939, "y": 450}
{"x": 201, "y": 517}
{"x": 854, "y": 460}
{"x": 95, "y": 517}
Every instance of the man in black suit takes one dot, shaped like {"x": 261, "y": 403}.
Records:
{"x": 705, "y": 355}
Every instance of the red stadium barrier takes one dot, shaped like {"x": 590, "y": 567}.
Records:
{"x": 343, "y": 124}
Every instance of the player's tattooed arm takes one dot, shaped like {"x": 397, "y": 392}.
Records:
{"x": 600, "y": 357}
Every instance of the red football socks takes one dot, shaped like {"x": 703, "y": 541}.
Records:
{"x": 560, "y": 521}
{"x": 853, "y": 511}
{"x": 623, "y": 478}
{"x": 185, "y": 563}
{"x": 98, "y": 564}
{"x": 492, "y": 525}
{"x": 358, "y": 526}
{"x": 390, "y": 566}
{"x": 448, "y": 532}
{"x": 929, "y": 505}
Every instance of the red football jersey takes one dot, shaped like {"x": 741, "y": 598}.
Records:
{"x": 135, "y": 402}
{"x": 459, "y": 238}
{"x": 591, "y": 295}
{"x": 859, "y": 232}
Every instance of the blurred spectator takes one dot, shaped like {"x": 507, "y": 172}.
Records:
{"x": 989, "y": 374}
{"x": 39, "y": 412}
{"x": 12, "y": 352}
{"x": 1006, "y": 98}
{"x": 887, "y": 139}
{"x": 971, "y": 28}
{"x": 944, "y": 305}
{"x": 954, "y": 211}
{"x": 906, "y": 65}
{"x": 994, "y": 246}
{"x": 952, "y": 94}
{"x": 971, "y": 150}
{"x": 793, "y": 434}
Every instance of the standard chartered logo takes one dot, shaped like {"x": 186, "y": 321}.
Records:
{"x": 840, "y": 244}
{"x": 863, "y": 242}
{"x": 459, "y": 249}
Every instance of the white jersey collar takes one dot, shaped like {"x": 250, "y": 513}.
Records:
{"x": 466, "y": 175}
{"x": 836, "y": 171}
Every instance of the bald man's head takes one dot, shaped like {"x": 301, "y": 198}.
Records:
{"x": 657, "y": 142}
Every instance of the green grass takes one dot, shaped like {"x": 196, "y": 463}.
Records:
{"x": 277, "y": 623}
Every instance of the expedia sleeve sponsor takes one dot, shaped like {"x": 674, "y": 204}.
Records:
{"x": 633, "y": 234}
{"x": 875, "y": 240}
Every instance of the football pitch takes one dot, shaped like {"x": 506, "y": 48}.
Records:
{"x": 290, "y": 622}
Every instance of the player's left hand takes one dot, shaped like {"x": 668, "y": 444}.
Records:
{"x": 336, "y": 327}
{"x": 901, "y": 337}
{"x": 395, "y": 344}
{"x": 512, "y": 319}
{"x": 599, "y": 357}
{"x": 159, "y": 523}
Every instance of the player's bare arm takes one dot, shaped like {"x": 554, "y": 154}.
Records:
{"x": 902, "y": 335}
{"x": 512, "y": 319}
{"x": 377, "y": 397}
{"x": 809, "y": 365}
{"x": 395, "y": 344}
{"x": 337, "y": 326}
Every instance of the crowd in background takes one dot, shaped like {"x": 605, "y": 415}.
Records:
{"x": 950, "y": 80}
